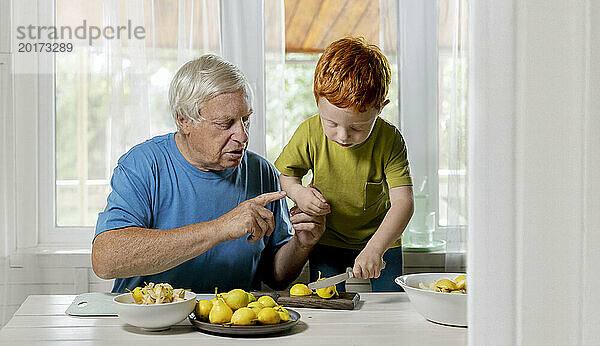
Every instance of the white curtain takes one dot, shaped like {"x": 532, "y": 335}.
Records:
{"x": 388, "y": 42}
{"x": 431, "y": 55}
{"x": 112, "y": 95}
{"x": 455, "y": 83}
{"x": 139, "y": 71}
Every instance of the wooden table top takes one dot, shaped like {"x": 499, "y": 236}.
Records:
{"x": 380, "y": 319}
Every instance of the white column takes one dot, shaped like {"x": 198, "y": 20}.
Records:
{"x": 492, "y": 248}
{"x": 535, "y": 172}
{"x": 591, "y": 180}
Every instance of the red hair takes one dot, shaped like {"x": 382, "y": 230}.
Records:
{"x": 352, "y": 74}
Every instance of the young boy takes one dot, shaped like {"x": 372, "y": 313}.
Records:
{"x": 361, "y": 177}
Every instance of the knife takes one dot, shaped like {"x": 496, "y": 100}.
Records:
{"x": 334, "y": 280}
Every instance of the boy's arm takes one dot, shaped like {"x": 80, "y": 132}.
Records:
{"x": 308, "y": 199}
{"x": 291, "y": 185}
{"x": 369, "y": 262}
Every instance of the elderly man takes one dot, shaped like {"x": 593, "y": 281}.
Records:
{"x": 195, "y": 208}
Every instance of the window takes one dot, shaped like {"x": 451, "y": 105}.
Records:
{"x": 109, "y": 95}
{"x": 113, "y": 94}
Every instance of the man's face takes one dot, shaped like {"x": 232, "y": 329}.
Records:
{"x": 219, "y": 141}
{"x": 345, "y": 126}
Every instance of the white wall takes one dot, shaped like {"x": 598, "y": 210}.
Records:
{"x": 24, "y": 275}
{"x": 4, "y": 26}
{"x": 535, "y": 153}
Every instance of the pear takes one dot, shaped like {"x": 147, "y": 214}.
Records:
{"x": 236, "y": 299}
{"x": 137, "y": 295}
{"x": 268, "y": 316}
{"x": 203, "y": 308}
{"x": 267, "y": 301}
{"x": 217, "y": 296}
{"x": 256, "y": 306}
{"x": 243, "y": 317}
{"x": 284, "y": 315}
{"x": 326, "y": 292}
{"x": 300, "y": 290}
{"x": 445, "y": 285}
{"x": 220, "y": 313}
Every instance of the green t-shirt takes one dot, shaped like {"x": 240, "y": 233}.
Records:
{"x": 355, "y": 181}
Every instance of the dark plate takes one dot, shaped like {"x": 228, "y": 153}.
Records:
{"x": 246, "y": 330}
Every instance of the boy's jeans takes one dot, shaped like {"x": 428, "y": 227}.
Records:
{"x": 333, "y": 260}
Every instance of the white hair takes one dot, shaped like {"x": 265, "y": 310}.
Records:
{"x": 199, "y": 80}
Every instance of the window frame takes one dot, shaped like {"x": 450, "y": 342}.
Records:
{"x": 36, "y": 192}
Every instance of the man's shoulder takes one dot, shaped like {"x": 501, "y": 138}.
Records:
{"x": 256, "y": 161}
{"x": 146, "y": 152}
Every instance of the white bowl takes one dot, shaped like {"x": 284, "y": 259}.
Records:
{"x": 154, "y": 317}
{"x": 444, "y": 308}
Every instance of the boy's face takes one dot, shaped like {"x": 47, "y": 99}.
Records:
{"x": 346, "y": 126}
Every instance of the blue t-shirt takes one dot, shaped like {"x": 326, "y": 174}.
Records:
{"x": 154, "y": 186}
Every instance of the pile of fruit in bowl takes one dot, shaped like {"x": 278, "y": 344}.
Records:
{"x": 439, "y": 297}
{"x": 154, "y": 306}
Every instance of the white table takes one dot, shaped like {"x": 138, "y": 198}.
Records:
{"x": 381, "y": 319}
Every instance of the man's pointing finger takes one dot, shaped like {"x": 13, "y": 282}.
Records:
{"x": 269, "y": 197}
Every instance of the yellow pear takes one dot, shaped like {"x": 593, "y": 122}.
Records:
{"x": 203, "y": 308}
{"x": 268, "y": 316}
{"x": 137, "y": 295}
{"x": 300, "y": 290}
{"x": 445, "y": 285}
{"x": 243, "y": 317}
{"x": 220, "y": 313}
{"x": 326, "y": 292}
{"x": 236, "y": 299}
{"x": 284, "y": 315}
{"x": 267, "y": 301}
{"x": 256, "y": 306}
{"x": 217, "y": 296}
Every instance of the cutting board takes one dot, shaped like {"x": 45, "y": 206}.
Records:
{"x": 93, "y": 304}
{"x": 346, "y": 300}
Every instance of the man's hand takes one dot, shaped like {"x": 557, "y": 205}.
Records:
{"x": 309, "y": 228}
{"x": 250, "y": 217}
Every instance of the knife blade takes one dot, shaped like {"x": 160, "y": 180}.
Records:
{"x": 330, "y": 281}
{"x": 334, "y": 280}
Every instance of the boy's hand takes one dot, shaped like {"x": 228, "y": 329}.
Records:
{"x": 310, "y": 201}
{"x": 368, "y": 264}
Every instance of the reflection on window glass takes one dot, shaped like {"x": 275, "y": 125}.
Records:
{"x": 299, "y": 101}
